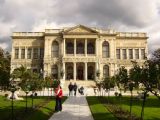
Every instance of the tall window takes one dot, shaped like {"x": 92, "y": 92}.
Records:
{"x": 70, "y": 48}
{"x": 90, "y": 48}
{"x": 105, "y": 71}
{"x": 41, "y": 53}
{"x": 142, "y": 53}
{"x": 136, "y": 53}
{"x": 35, "y": 53}
{"x": 130, "y": 53}
{"x": 69, "y": 72}
{"x": 29, "y": 53}
{"x": 80, "y": 48}
{"x": 105, "y": 49}
{"x": 16, "y": 53}
{"x": 55, "y": 49}
{"x": 118, "y": 53}
{"x": 124, "y": 53}
{"x": 55, "y": 71}
{"x": 22, "y": 53}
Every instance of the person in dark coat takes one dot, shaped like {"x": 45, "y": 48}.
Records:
{"x": 81, "y": 90}
{"x": 75, "y": 89}
{"x": 70, "y": 87}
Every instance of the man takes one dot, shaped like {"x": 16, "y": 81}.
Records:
{"x": 70, "y": 87}
{"x": 75, "y": 89}
{"x": 58, "y": 95}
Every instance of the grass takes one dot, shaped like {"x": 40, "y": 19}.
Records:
{"x": 44, "y": 109}
{"x": 44, "y": 112}
{"x": 99, "y": 111}
{"x": 151, "y": 110}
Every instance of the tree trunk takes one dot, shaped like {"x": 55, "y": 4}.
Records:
{"x": 131, "y": 105}
{"x": 32, "y": 99}
{"x": 143, "y": 104}
{"x": 26, "y": 101}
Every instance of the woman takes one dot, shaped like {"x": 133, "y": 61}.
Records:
{"x": 58, "y": 95}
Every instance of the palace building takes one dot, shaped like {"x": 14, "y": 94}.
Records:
{"x": 77, "y": 53}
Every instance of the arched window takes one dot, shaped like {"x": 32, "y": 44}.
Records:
{"x": 80, "y": 48}
{"x": 70, "y": 48}
{"x": 55, "y": 49}
{"x": 105, "y": 49}
{"x": 55, "y": 72}
{"x": 90, "y": 48}
{"x": 105, "y": 71}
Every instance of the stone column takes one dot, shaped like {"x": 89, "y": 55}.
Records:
{"x": 85, "y": 48}
{"x": 86, "y": 71}
{"x": 64, "y": 46}
{"x": 25, "y": 55}
{"x": 140, "y": 56}
{"x": 19, "y": 55}
{"x": 64, "y": 70}
{"x": 59, "y": 71}
{"x": 75, "y": 70}
{"x": 97, "y": 67}
{"x": 133, "y": 52}
{"x": 96, "y": 47}
{"x": 127, "y": 53}
{"x": 75, "y": 47}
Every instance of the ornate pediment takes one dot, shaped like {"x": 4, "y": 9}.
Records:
{"x": 80, "y": 29}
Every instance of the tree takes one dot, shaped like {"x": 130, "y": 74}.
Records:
{"x": 122, "y": 78}
{"x": 109, "y": 82}
{"x": 4, "y": 69}
{"x": 25, "y": 77}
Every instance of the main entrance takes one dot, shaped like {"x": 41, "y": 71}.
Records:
{"x": 80, "y": 71}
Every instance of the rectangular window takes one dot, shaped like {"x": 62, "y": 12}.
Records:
{"x": 142, "y": 53}
{"x": 22, "y": 53}
{"x": 41, "y": 53}
{"x": 35, "y": 53}
{"x": 136, "y": 53}
{"x": 130, "y": 53}
{"x": 16, "y": 53}
{"x": 118, "y": 53}
{"x": 124, "y": 52}
{"x": 29, "y": 53}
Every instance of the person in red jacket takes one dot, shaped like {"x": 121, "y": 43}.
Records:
{"x": 58, "y": 95}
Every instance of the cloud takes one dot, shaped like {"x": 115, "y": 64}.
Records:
{"x": 122, "y": 15}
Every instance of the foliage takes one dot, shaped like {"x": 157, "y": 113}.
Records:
{"x": 4, "y": 69}
{"x": 122, "y": 78}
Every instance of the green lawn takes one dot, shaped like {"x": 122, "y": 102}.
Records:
{"x": 99, "y": 111}
{"x": 151, "y": 111}
{"x": 44, "y": 109}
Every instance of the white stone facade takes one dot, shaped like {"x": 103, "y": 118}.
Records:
{"x": 80, "y": 52}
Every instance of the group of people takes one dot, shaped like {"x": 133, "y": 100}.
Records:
{"x": 59, "y": 94}
{"x": 73, "y": 88}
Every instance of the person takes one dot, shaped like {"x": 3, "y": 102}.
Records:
{"x": 81, "y": 90}
{"x": 58, "y": 95}
{"x": 70, "y": 87}
{"x": 75, "y": 89}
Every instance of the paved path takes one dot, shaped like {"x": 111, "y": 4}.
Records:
{"x": 74, "y": 108}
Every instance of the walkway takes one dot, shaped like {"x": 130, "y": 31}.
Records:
{"x": 74, "y": 108}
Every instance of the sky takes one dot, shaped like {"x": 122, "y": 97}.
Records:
{"x": 120, "y": 15}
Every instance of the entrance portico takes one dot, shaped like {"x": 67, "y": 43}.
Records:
{"x": 79, "y": 70}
